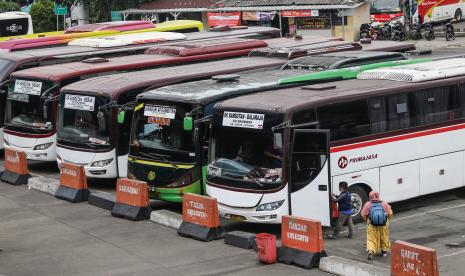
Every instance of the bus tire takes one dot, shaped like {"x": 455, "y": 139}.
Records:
{"x": 359, "y": 198}
{"x": 458, "y": 15}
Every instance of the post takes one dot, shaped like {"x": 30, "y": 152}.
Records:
{"x": 343, "y": 25}
{"x": 280, "y": 24}
{"x": 57, "y": 21}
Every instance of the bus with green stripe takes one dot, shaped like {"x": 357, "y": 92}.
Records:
{"x": 169, "y": 139}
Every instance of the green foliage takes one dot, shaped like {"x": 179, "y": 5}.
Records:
{"x": 100, "y": 10}
{"x": 43, "y": 16}
{"x": 6, "y": 6}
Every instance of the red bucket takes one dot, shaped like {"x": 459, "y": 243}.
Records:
{"x": 266, "y": 248}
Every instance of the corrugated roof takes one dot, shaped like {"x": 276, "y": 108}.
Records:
{"x": 177, "y": 4}
{"x": 262, "y": 3}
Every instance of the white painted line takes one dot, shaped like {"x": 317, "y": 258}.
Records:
{"x": 452, "y": 254}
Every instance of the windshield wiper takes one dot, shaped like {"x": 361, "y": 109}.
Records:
{"x": 159, "y": 156}
{"x": 23, "y": 125}
{"x": 250, "y": 176}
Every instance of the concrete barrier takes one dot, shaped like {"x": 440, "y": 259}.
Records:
{"x": 345, "y": 267}
{"x": 166, "y": 218}
{"x": 43, "y": 184}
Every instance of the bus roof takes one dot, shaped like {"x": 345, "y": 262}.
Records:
{"x": 127, "y": 39}
{"x": 62, "y": 71}
{"x": 113, "y": 25}
{"x": 438, "y": 69}
{"x": 289, "y": 99}
{"x": 57, "y": 72}
{"x": 206, "y": 91}
{"x": 114, "y": 85}
{"x": 388, "y": 46}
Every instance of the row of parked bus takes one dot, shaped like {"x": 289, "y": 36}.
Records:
{"x": 264, "y": 124}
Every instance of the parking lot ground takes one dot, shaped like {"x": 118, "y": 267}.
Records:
{"x": 41, "y": 235}
{"x": 436, "y": 221}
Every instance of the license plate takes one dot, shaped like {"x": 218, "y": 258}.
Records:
{"x": 237, "y": 218}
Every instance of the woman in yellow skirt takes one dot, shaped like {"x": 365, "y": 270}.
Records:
{"x": 377, "y": 213}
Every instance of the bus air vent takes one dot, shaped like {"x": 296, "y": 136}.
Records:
{"x": 95, "y": 60}
{"x": 380, "y": 75}
{"x": 226, "y": 78}
{"x": 318, "y": 87}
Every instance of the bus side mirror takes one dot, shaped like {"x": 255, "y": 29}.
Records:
{"x": 121, "y": 116}
{"x": 278, "y": 140}
{"x": 188, "y": 123}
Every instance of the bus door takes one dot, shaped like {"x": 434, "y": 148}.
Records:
{"x": 309, "y": 175}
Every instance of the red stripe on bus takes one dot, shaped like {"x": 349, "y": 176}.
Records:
{"x": 396, "y": 138}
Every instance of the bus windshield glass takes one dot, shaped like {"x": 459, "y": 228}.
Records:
{"x": 26, "y": 107}
{"x": 5, "y": 66}
{"x": 384, "y": 6}
{"x": 246, "y": 158}
{"x": 84, "y": 120}
{"x": 158, "y": 133}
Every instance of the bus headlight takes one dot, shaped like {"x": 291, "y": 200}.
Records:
{"x": 43, "y": 146}
{"x": 270, "y": 206}
{"x": 101, "y": 163}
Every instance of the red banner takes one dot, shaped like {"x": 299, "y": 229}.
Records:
{"x": 384, "y": 17}
{"x": 225, "y": 18}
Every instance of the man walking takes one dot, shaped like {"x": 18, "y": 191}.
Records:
{"x": 377, "y": 213}
{"x": 344, "y": 202}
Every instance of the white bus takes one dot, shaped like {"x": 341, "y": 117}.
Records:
{"x": 399, "y": 131}
{"x": 15, "y": 23}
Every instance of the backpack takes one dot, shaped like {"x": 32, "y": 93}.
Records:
{"x": 377, "y": 215}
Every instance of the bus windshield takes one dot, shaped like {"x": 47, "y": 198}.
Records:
{"x": 246, "y": 158}
{"x": 84, "y": 120}
{"x": 5, "y": 67}
{"x": 384, "y": 6}
{"x": 158, "y": 131}
{"x": 26, "y": 109}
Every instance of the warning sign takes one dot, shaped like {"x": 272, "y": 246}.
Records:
{"x": 302, "y": 234}
{"x": 160, "y": 111}
{"x": 201, "y": 210}
{"x": 28, "y": 87}
{"x": 411, "y": 259}
{"x": 243, "y": 120}
{"x": 79, "y": 102}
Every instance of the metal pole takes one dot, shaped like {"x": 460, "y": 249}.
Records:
{"x": 343, "y": 25}
{"x": 280, "y": 24}
{"x": 57, "y": 22}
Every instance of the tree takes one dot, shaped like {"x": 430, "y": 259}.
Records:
{"x": 100, "y": 10}
{"x": 43, "y": 16}
{"x": 6, "y": 6}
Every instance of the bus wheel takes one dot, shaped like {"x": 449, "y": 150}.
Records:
{"x": 359, "y": 198}
{"x": 458, "y": 15}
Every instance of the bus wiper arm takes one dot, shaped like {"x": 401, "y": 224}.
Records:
{"x": 23, "y": 125}
{"x": 159, "y": 156}
{"x": 250, "y": 176}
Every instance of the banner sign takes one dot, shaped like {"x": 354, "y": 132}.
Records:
{"x": 160, "y": 111}
{"x": 302, "y": 13}
{"x": 312, "y": 23}
{"x": 258, "y": 16}
{"x": 78, "y": 102}
{"x": 384, "y": 17}
{"x": 243, "y": 120}
{"x": 221, "y": 19}
{"x": 28, "y": 87}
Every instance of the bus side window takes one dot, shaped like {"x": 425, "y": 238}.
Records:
{"x": 345, "y": 120}
{"x": 378, "y": 114}
{"x": 433, "y": 105}
{"x": 399, "y": 111}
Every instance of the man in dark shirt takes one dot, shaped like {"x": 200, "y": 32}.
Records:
{"x": 344, "y": 202}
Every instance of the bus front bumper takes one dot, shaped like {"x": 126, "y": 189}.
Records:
{"x": 251, "y": 214}
{"x": 48, "y": 154}
{"x": 174, "y": 194}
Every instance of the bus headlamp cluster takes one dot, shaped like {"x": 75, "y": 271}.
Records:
{"x": 270, "y": 206}
{"x": 101, "y": 163}
{"x": 43, "y": 146}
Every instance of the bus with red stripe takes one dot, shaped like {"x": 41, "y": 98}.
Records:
{"x": 397, "y": 130}
{"x": 439, "y": 10}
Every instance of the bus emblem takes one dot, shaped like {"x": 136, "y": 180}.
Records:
{"x": 342, "y": 162}
{"x": 151, "y": 176}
